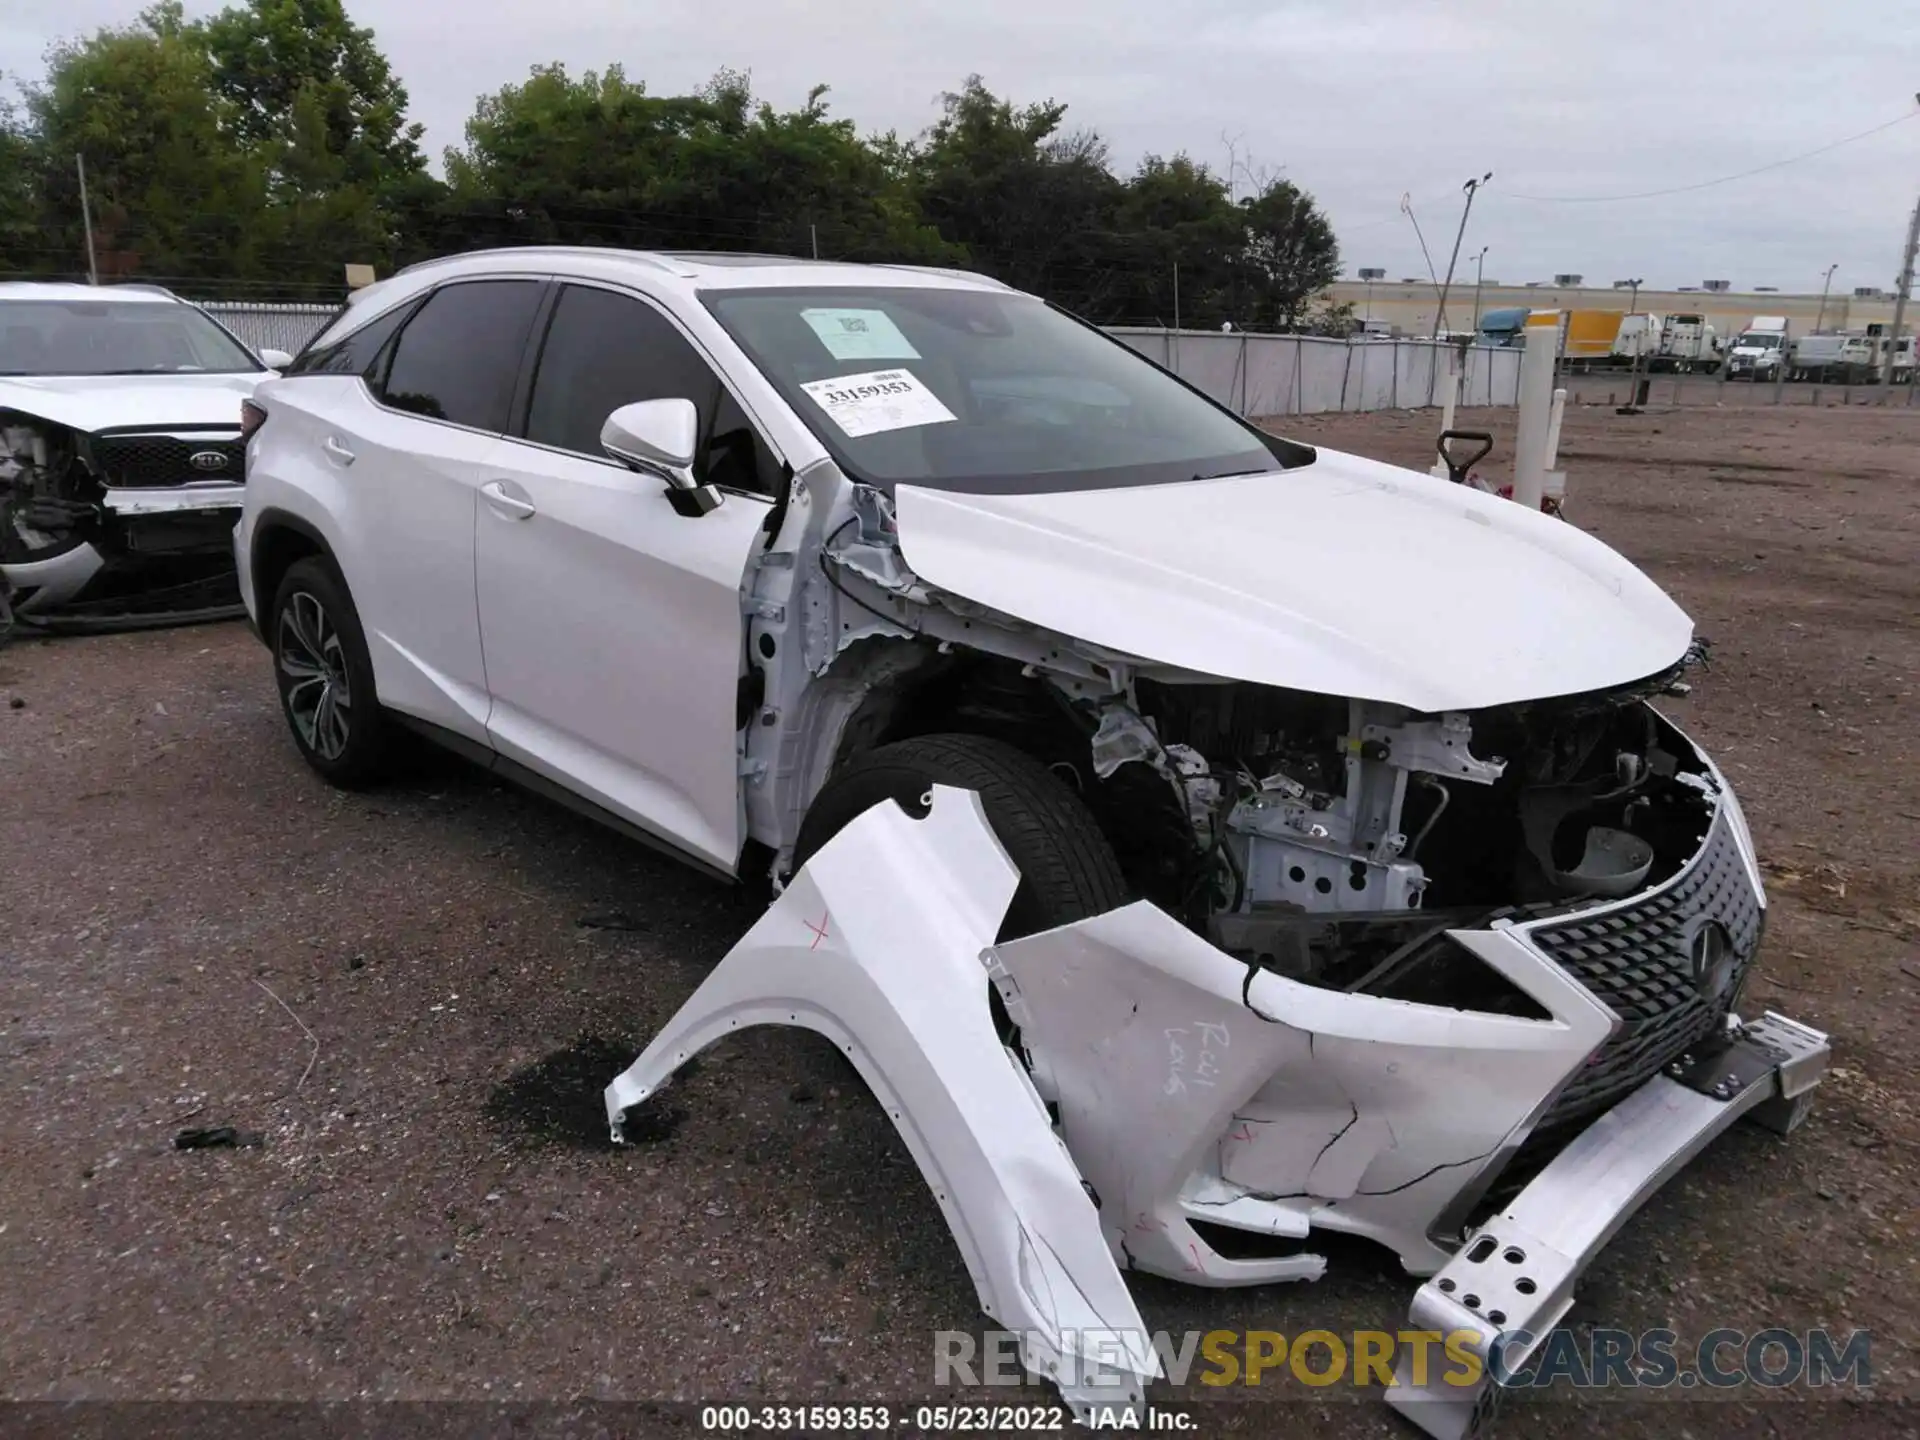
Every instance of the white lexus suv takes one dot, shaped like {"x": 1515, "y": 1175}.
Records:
{"x": 738, "y": 552}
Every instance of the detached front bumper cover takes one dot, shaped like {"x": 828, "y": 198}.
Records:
{"x": 1161, "y": 1086}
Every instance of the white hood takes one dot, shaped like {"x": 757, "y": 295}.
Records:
{"x": 97, "y": 402}
{"x": 1343, "y": 577}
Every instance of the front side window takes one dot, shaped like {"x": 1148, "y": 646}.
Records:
{"x": 459, "y": 355}
{"x": 982, "y": 391}
{"x": 604, "y": 350}
{"x": 115, "y": 337}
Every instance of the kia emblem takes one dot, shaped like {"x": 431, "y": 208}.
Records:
{"x": 208, "y": 460}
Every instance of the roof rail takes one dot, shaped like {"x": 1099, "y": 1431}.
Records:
{"x": 645, "y": 257}
{"x": 951, "y": 274}
{"x": 140, "y": 285}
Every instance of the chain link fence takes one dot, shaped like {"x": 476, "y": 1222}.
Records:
{"x": 264, "y": 326}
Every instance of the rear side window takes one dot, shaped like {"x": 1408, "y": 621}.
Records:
{"x": 352, "y": 354}
{"x": 603, "y": 351}
{"x": 458, "y": 356}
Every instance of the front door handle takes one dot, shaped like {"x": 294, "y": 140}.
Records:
{"x": 336, "y": 452}
{"x": 502, "y": 502}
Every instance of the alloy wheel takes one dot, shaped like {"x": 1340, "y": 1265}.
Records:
{"x": 313, "y": 669}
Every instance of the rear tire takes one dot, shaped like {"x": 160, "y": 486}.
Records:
{"x": 325, "y": 676}
{"x": 1068, "y": 871}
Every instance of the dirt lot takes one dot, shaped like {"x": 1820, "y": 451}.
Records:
{"x": 414, "y": 997}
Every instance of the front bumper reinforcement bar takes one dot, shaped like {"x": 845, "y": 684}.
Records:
{"x": 1513, "y": 1280}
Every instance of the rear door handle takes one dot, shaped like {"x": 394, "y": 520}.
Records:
{"x": 502, "y": 502}
{"x": 336, "y": 452}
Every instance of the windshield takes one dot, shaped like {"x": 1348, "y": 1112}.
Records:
{"x": 1759, "y": 340}
{"x": 113, "y": 337}
{"x": 982, "y": 392}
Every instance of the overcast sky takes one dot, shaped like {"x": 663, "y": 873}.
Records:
{"x": 1359, "y": 101}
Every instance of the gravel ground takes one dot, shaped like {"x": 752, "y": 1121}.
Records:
{"x": 411, "y": 998}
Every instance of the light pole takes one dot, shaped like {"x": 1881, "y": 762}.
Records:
{"x": 1471, "y": 188}
{"x": 1479, "y": 278}
{"x": 1825, "y": 285}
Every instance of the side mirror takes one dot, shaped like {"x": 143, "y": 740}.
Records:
{"x": 275, "y": 359}
{"x": 660, "y": 438}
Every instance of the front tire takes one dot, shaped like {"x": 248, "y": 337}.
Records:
{"x": 1068, "y": 871}
{"x": 325, "y": 677}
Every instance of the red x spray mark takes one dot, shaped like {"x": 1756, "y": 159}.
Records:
{"x": 819, "y": 931}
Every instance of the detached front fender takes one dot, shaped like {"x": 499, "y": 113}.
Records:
{"x": 881, "y": 943}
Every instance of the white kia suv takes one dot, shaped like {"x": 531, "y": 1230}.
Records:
{"x": 120, "y": 448}
{"x": 731, "y": 551}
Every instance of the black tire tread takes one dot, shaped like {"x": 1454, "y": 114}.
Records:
{"x": 1067, "y": 868}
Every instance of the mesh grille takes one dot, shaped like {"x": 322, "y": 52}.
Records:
{"x": 145, "y": 461}
{"x": 1637, "y": 959}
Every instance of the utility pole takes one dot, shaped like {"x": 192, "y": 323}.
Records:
{"x": 814, "y": 231}
{"x": 1176, "y": 294}
{"x": 86, "y": 219}
{"x": 1479, "y": 279}
{"x": 1471, "y": 188}
{"x": 1406, "y": 209}
{"x": 1900, "y": 302}
{"x": 1825, "y": 285}
{"x": 1632, "y": 407}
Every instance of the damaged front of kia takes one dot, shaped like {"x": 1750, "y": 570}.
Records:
{"x": 121, "y": 454}
{"x": 1204, "y": 858}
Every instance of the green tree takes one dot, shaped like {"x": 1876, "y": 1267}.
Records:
{"x": 598, "y": 160}
{"x": 20, "y": 164}
{"x": 1291, "y": 255}
{"x": 1176, "y": 226}
{"x": 308, "y": 94}
{"x": 1033, "y": 207}
{"x": 173, "y": 195}
{"x": 299, "y": 74}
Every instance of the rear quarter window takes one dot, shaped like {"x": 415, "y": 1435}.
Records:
{"x": 354, "y": 352}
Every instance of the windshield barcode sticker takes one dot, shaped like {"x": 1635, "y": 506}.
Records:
{"x": 860, "y": 334}
{"x": 877, "y": 401}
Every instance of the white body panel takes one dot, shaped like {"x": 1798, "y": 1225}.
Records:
{"x": 399, "y": 517}
{"x": 1187, "y": 1095}
{"x": 1264, "y": 578}
{"x": 613, "y": 640}
{"x": 136, "y": 402}
{"x": 877, "y": 944}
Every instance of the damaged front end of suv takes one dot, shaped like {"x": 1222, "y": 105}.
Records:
{"x": 113, "y": 526}
{"x": 122, "y": 462}
{"x": 1437, "y": 928}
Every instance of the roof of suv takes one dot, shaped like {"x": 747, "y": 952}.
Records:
{"x": 67, "y": 290}
{"x": 684, "y": 270}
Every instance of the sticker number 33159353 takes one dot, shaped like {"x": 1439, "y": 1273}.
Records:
{"x": 877, "y": 400}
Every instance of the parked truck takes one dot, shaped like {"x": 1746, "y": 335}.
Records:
{"x": 1851, "y": 357}
{"x": 1589, "y": 339}
{"x": 1760, "y": 350}
{"x": 1687, "y": 343}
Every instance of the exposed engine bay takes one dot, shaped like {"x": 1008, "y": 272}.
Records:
{"x": 116, "y": 527}
{"x": 1325, "y": 839}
